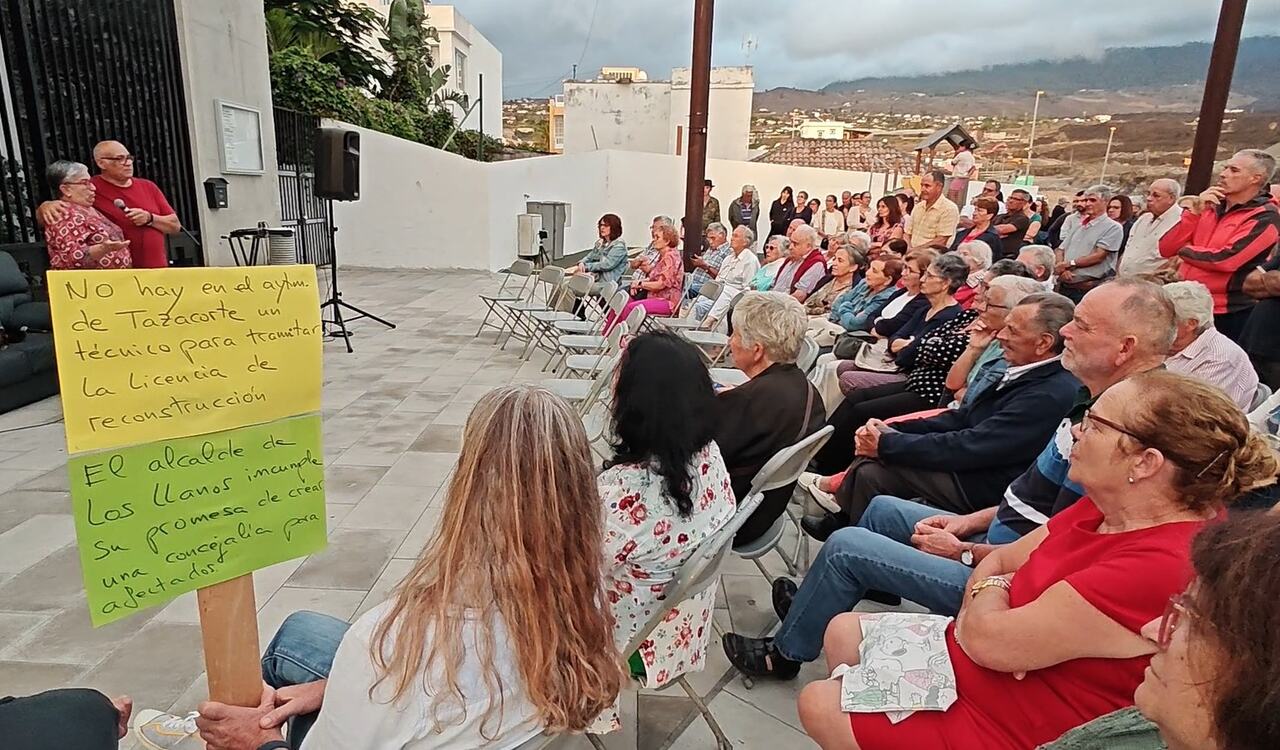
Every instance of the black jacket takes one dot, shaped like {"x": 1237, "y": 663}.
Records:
{"x": 989, "y": 441}
{"x": 780, "y": 216}
{"x": 756, "y": 420}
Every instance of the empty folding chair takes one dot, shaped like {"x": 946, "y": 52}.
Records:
{"x": 584, "y": 394}
{"x": 613, "y": 303}
{"x": 540, "y": 322}
{"x": 521, "y": 269}
{"x": 710, "y": 290}
{"x": 728, "y": 376}
{"x": 587, "y": 365}
{"x": 588, "y": 343}
{"x": 808, "y": 354}
{"x": 714, "y": 345}
{"x": 549, "y": 282}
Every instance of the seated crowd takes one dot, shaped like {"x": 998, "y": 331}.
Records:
{"x": 1029, "y": 438}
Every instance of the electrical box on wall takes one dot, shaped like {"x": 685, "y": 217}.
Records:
{"x": 215, "y": 191}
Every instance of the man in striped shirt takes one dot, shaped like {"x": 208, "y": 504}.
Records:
{"x": 1200, "y": 351}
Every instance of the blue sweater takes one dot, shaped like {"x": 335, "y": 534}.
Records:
{"x": 857, "y": 308}
{"x": 990, "y": 440}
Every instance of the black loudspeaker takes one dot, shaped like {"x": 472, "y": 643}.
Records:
{"x": 337, "y": 164}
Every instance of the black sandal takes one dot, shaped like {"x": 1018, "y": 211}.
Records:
{"x": 784, "y": 592}
{"x": 756, "y": 657}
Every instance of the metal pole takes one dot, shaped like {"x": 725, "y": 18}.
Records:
{"x": 1217, "y": 86}
{"x": 480, "y": 148}
{"x": 1031, "y": 142}
{"x": 699, "y": 101}
{"x": 1107, "y": 156}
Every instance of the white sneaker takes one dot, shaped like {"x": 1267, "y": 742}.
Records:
{"x": 809, "y": 482}
{"x": 162, "y": 731}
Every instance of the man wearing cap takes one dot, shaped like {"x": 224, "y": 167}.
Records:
{"x": 710, "y": 207}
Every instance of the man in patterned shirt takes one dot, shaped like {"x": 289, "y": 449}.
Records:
{"x": 707, "y": 265}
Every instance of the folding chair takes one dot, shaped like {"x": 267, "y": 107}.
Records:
{"x": 712, "y": 344}
{"x": 584, "y": 394}
{"x": 550, "y": 281}
{"x": 698, "y": 573}
{"x": 617, "y": 301}
{"x": 728, "y": 376}
{"x": 783, "y": 469}
{"x": 519, "y": 268}
{"x": 544, "y": 740}
{"x": 710, "y": 290}
{"x": 808, "y": 354}
{"x": 587, "y": 365}
{"x": 588, "y": 343}
{"x": 541, "y": 321}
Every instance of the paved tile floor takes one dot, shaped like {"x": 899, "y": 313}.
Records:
{"x": 393, "y": 413}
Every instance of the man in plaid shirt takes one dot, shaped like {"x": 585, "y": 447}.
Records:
{"x": 707, "y": 265}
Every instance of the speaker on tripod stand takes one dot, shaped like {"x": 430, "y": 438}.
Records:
{"x": 337, "y": 178}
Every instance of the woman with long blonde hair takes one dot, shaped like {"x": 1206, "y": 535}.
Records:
{"x": 501, "y": 630}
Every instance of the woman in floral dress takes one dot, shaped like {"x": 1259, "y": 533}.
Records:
{"x": 665, "y": 491}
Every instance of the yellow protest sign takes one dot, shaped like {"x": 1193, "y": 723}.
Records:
{"x": 146, "y": 355}
{"x": 158, "y": 520}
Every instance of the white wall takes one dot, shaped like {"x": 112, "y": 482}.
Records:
{"x": 625, "y": 116}
{"x": 424, "y": 208}
{"x": 223, "y": 49}
{"x": 419, "y": 207}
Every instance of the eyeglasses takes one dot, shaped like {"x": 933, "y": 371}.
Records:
{"x": 85, "y": 181}
{"x": 931, "y": 275}
{"x": 1179, "y": 606}
{"x": 125, "y": 159}
{"x": 1088, "y": 422}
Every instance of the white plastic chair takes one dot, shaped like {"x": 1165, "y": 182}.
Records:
{"x": 587, "y": 365}
{"x": 710, "y": 290}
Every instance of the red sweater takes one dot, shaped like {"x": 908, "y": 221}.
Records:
{"x": 1220, "y": 246}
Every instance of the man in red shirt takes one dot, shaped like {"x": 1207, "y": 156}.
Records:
{"x": 146, "y": 217}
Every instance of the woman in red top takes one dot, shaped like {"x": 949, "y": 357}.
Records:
{"x": 1050, "y": 637}
{"x": 82, "y": 237}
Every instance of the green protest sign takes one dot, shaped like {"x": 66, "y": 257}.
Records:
{"x": 160, "y": 519}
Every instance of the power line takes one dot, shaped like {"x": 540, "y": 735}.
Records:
{"x": 590, "y": 28}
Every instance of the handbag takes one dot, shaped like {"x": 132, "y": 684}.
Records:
{"x": 847, "y": 345}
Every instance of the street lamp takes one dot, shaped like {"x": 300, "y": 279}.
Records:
{"x": 1031, "y": 142}
{"x": 1107, "y": 156}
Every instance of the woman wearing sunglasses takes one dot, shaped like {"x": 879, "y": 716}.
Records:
{"x": 1050, "y": 636}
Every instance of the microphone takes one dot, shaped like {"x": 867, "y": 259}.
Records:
{"x": 118, "y": 203}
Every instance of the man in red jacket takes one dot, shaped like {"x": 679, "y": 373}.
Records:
{"x": 1232, "y": 235}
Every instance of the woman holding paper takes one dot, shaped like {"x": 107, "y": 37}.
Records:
{"x": 83, "y": 237}
{"x": 1049, "y": 637}
{"x": 465, "y": 654}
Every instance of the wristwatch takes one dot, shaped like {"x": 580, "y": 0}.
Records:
{"x": 1073, "y": 264}
{"x": 966, "y": 556}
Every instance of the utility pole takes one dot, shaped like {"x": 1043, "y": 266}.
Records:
{"x": 1107, "y": 157}
{"x": 1031, "y": 142}
{"x": 574, "y": 75}
{"x": 699, "y": 101}
{"x": 1217, "y": 86}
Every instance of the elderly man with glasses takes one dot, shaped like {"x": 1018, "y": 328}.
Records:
{"x": 134, "y": 204}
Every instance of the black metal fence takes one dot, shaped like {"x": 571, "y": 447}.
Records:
{"x": 75, "y": 72}
{"x": 310, "y": 218}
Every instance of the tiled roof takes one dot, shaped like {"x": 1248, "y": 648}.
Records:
{"x": 857, "y": 155}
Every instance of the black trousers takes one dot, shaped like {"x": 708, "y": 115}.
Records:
{"x": 73, "y": 719}
{"x": 876, "y": 402}
{"x": 1268, "y": 371}
{"x": 1232, "y": 324}
{"x": 868, "y": 478}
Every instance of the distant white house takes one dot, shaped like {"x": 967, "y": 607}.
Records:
{"x": 471, "y": 55}
{"x": 628, "y": 112}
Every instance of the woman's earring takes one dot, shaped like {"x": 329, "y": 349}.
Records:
{"x": 1130, "y": 480}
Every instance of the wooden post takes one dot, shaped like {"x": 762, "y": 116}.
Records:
{"x": 699, "y": 101}
{"x": 1217, "y": 87}
{"x": 229, "y": 628}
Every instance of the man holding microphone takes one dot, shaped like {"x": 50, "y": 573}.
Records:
{"x": 134, "y": 204}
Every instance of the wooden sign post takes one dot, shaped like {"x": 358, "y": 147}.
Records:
{"x": 191, "y": 400}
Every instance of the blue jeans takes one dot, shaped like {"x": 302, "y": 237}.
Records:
{"x": 302, "y": 652}
{"x": 875, "y": 554}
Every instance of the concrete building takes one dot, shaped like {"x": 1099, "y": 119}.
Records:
{"x": 831, "y": 130}
{"x": 555, "y": 124}
{"x": 470, "y": 54}
{"x": 632, "y": 114}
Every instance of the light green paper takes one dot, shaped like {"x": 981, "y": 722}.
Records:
{"x": 160, "y": 519}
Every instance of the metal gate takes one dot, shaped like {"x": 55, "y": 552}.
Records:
{"x": 75, "y": 72}
{"x": 310, "y": 218}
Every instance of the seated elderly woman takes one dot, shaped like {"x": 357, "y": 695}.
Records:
{"x": 977, "y": 255}
{"x": 846, "y": 265}
{"x": 665, "y": 491}
{"x": 1049, "y": 637}
{"x": 83, "y": 237}
{"x": 776, "y": 250}
{"x": 607, "y": 260}
{"x": 736, "y": 272}
{"x": 660, "y": 290}
{"x": 775, "y": 408}
{"x": 858, "y": 308}
{"x": 1212, "y": 683}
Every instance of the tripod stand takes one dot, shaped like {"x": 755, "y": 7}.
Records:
{"x": 337, "y": 327}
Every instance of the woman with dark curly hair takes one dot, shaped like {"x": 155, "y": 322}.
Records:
{"x": 665, "y": 491}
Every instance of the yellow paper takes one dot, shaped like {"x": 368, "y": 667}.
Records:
{"x": 153, "y": 354}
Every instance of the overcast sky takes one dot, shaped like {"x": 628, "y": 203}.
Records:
{"x": 810, "y": 43}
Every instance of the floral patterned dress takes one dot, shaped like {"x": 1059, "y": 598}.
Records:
{"x": 68, "y": 240}
{"x": 646, "y": 541}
